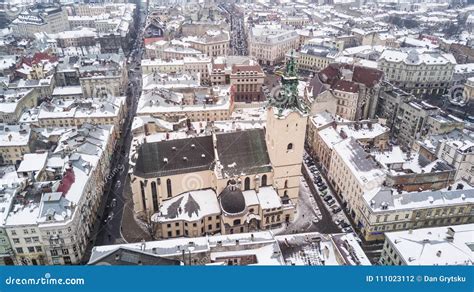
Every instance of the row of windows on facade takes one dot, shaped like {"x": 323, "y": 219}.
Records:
{"x": 418, "y": 214}
{"x": 421, "y": 224}
{"x": 169, "y": 189}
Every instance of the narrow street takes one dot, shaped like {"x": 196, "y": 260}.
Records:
{"x": 238, "y": 38}
{"x": 108, "y": 229}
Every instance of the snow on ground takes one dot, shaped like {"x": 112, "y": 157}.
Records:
{"x": 307, "y": 213}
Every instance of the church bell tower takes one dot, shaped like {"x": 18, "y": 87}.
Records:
{"x": 285, "y": 134}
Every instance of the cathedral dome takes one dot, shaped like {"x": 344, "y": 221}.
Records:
{"x": 232, "y": 200}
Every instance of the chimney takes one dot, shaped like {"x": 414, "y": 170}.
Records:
{"x": 450, "y": 234}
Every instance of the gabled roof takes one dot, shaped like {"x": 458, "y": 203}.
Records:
{"x": 125, "y": 256}
{"x": 243, "y": 152}
{"x": 175, "y": 157}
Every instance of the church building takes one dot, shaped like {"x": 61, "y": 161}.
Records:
{"x": 229, "y": 182}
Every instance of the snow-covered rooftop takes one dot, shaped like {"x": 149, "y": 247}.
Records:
{"x": 448, "y": 245}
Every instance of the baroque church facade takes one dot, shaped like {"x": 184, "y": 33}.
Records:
{"x": 229, "y": 182}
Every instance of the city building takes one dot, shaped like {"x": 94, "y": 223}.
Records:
{"x": 35, "y": 20}
{"x": 313, "y": 58}
{"x": 455, "y": 147}
{"x": 253, "y": 186}
{"x": 269, "y": 44}
{"x": 324, "y": 131}
{"x": 431, "y": 246}
{"x": 14, "y": 102}
{"x": 11, "y": 185}
{"x": 348, "y": 91}
{"x": 244, "y": 74}
{"x": 185, "y": 65}
{"x": 16, "y": 140}
{"x": 245, "y": 249}
{"x": 98, "y": 75}
{"x": 50, "y": 220}
{"x": 197, "y": 104}
{"x": 411, "y": 119}
{"x": 385, "y": 209}
{"x": 420, "y": 72}
{"x": 212, "y": 44}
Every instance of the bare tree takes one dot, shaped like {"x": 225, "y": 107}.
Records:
{"x": 150, "y": 225}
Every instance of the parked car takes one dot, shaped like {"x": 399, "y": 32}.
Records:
{"x": 320, "y": 183}
{"x": 323, "y": 194}
{"x": 347, "y": 230}
{"x": 327, "y": 198}
{"x": 318, "y": 179}
{"x": 338, "y": 221}
{"x": 322, "y": 188}
{"x": 344, "y": 224}
{"x": 336, "y": 210}
{"x": 331, "y": 202}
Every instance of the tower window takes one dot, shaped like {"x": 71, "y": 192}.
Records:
{"x": 290, "y": 146}
{"x": 168, "y": 186}
{"x": 264, "y": 180}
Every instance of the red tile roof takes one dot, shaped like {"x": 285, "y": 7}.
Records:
{"x": 345, "y": 85}
{"x": 367, "y": 76}
{"x": 362, "y": 75}
{"x": 218, "y": 66}
{"x": 151, "y": 40}
{"x": 66, "y": 182}
{"x": 246, "y": 68}
{"x": 38, "y": 57}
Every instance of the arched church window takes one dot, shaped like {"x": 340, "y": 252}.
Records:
{"x": 247, "y": 184}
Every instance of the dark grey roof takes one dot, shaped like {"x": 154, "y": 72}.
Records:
{"x": 182, "y": 155}
{"x": 318, "y": 86}
{"x": 239, "y": 152}
{"x": 243, "y": 151}
{"x": 190, "y": 207}
{"x": 127, "y": 256}
{"x": 173, "y": 209}
{"x": 232, "y": 200}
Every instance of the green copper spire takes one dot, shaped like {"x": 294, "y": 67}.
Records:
{"x": 287, "y": 97}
